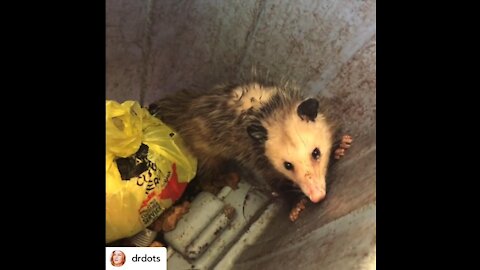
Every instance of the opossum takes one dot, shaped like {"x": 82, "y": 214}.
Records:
{"x": 272, "y": 129}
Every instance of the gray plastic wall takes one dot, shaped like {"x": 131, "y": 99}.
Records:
{"x": 326, "y": 46}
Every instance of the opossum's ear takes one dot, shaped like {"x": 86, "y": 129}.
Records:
{"x": 308, "y": 109}
{"x": 257, "y": 132}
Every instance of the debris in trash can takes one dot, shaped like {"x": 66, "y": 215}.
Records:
{"x": 147, "y": 170}
{"x": 214, "y": 185}
{"x": 168, "y": 220}
{"x": 143, "y": 238}
{"x": 212, "y": 232}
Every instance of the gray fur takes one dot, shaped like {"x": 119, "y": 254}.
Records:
{"x": 215, "y": 132}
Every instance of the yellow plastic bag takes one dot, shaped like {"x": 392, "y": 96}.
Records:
{"x": 147, "y": 169}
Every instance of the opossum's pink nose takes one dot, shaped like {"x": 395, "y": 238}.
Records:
{"x": 313, "y": 187}
{"x": 315, "y": 194}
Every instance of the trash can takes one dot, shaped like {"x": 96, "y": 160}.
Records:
{"x": 326, "y": 47}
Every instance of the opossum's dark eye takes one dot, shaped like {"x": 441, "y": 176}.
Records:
{"x": 316, "y": 153}
{"x": 288, "y": 166}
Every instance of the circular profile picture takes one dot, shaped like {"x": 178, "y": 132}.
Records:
{"x": 118, "y": 258}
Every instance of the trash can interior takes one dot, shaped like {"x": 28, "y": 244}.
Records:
{"x": 325, "y": 47}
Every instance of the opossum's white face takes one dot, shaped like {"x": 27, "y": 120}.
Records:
{"x": 300, "y": 150}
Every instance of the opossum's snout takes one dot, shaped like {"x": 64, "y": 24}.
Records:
{"x": 316, "y": 195}
{"x": 313, "y": 187}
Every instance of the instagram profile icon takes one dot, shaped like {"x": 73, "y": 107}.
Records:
{"x": 118, "y": 258}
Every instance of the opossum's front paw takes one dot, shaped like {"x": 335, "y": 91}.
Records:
{"x": 345, "y": 143}
{"x": 231, "y": 179}
{"x": 295, "y": 212}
